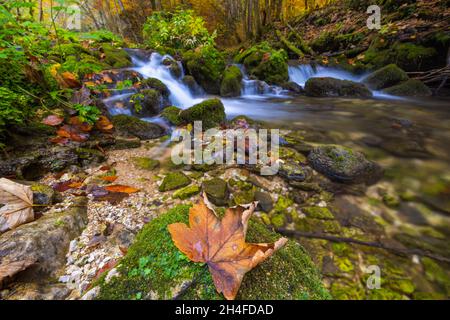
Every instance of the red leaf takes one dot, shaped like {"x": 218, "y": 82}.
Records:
{"x": 53, "y": 120}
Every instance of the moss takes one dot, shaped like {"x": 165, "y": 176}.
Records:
{"x": 344, "y": 264}
{"x": 318, "y": 213}
{"x": 331, "y": 87}
{"x": 231, "y": 83}
{"x": 153, "y": 267}
{"x": 211, "y": 112}
{"x": 404, "y": 286}
{"x": 434, "y": 272}
{"x": 117, "y": 58}
{"x": 172, "y": 114}
{"x": 145, "y": 163}
{"x": 217, "y": 191}
{"x": 317, "y": 225}
{"x": 243, "y": 197}
{"x": 384, "y": 294}
{"x": 391, "y": 200}
{"x": 186, "y": 192}
{"x": 133, "y": 126}
{"x": 278, "y": 220}
{"x": 409, "y": 88}
{"x": 386, "y": 77}
{"x": 157, "y": 85}
{"x": 282, "y": 204}
{"x": 345, "y": 290}
{"x": 290, "y": 153}
{"x": 174, "y": 180}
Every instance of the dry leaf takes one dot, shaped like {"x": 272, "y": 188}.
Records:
{"x": 104, "y": 125}
{"x": 70, "y": 80}
{"x": 109, "y": 178}
{"x": 9, "y": 269}
{"x": 221, "y": 244}
{"x": 18, "y": 204}
{"x": 53, "y": 120}
{"x": 82, "y": 126}
{"x": 121, "y": 188}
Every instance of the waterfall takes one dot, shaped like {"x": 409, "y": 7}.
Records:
{"x": 180, "y": 94}
{"x": 252, "y": 88}
{"x": 301, "y": 73}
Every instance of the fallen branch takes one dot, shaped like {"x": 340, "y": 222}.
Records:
{"x": 396, "y": 250}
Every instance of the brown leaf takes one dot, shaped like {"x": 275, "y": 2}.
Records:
{"x": 104, "y": 125}
{"x": 82, "y": 126}
{"x": 72, "y": 132}
{"x": 18, "y": 204}
{"x": 70, "y": 80}
{"x": 66, "y": 185}
{"x": 53, "y": 120}
{"x": 121, "y": 188}
{"x": 109, "y": 178}
{"x": 221, "y": 244}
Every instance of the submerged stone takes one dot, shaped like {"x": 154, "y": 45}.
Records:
{"x": 409, "y": 88}
{"x": 129, "y": 126}
{"x": 331, "y": 87}
{"x": 385, "y": 77}
{"x": 145, "y": 163}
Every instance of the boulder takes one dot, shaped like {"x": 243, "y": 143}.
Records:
{"x": 385, "y": 77}
{"x": 146, "y": 103}
{"x": 288, "y": 274}
{"x": 153, "y": 83}
{"x": 173, "y": 67}
{"x": 331, "y": 87}
{"x": 174, "y": 180}
{"x": 341, "y": 164}
{"x": 211, "y": 112}
{"x": 231, "y": 83}
{"x": 217, "y": 191}
{"x": 409, "y": 88}
{"x": 192, "y": 85}
{"x": 172, "y": 114}
{"x": 117, "y": 58}
{"x": 293, "y": 87}
{"x": 129, "y": 126}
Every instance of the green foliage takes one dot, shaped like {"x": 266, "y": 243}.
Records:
{"x": 180, "y": 29}
{"x": 89, "y": 114}
{"x": 13, "y": 108}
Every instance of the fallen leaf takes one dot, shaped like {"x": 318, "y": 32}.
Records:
{"x": 18, "y": 204}
{"x": 66, "y": 185}
{"x": 9, "y": 269}
{"x": 109, "y": 178}
{"x": 82, "y": 126}
{"x": 221, "y": 244}
{"x": 104, "y": 125}
{"x": 121, "y": 188}
{"x": 70, "y": 80}
{"x": 72, "y": 132}
{"x": 53, "y": 120}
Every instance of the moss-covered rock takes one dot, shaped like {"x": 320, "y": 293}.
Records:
{"x": 344, "y": 165}
{"x": 117, "y": 58}
{"x": 156, "y": 84}
{"x": 186, "y": 192}
{"x": 217, "y": 191}
{"x": 174, "y": 180}
{"x": 146, "y": 103}
{"x": 206, "y": 65}
{"x": 385, "y": 77}
{"x": 193, "y": 86}
{"x": 155, "y": 269}
{"x": 231, "y": 83}
{"x": 409, "y": 88}
{"x": 173, "y": 67}
{"x": 211, "y": 112}
{"x": 243, "y": 197}
{"x": 145, "y": 163}
{"x": 318, "y": 213}
{"x": 129, "y": 126}
{"x": 172, "y": 114}
{"x": 331, "y": 87}
{"x": 265, "y": 63}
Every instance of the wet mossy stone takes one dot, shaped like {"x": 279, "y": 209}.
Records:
{"x": 129, "y": 126}
{"x": 344, "y": 165}
{"x": 318, "y": 213}
{"x": 154, "y": 268}
{"x": 173, "y": 67}
{"x": 385, "y": 77}
{"x": 293, "y": 171}
{"x": 217, "y": 191}
{"x": 145, "y": 163}
{"x": 115, "y": 57}
{"x": 172, "y": 114}
{"x": 243, "y": 197}
{"x": 211, "y": 112}
{"x": 156, "y": 84}
{"x": 193, "y": 86}
{"x": 123, "y": 143}
{"x": 186, "y": 192}
{"x": 147, "y": 102}
{"x": 409, "y": 88}
{"x": 331, "y": 87}
{"x": 174, "y": 180}
{"x": 232, "y": 82}
{"x": 265, "y": 201}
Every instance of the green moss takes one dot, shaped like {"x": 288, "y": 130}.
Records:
{"x": 289, "y": 153}
{"x": 384, "y": 294}
{"x": 211, "y": 112}
{"x": 345, "y": 290}
{"x": 186, "y": 192}
{"x": 243, "y": 197}
{"x": 410, "y": 88}
{"x": 317, "y": 225}
{"x": 282, "y": 204}
{"x": 318, "y": 213}
{"x": 231, "y": 83}
{"x": 145, "y": 163}
{"x": 153, "y": 267}
{"x": 174, "y": 180}
{"x": 344, "y": 264}
{"x": 217, "y": 191}
{"x": 172, "y": 114}
{"x": 391, "y": 200}
{"x": 157, "y": 85}
{"x": 278, "y": 220}
{"x": 434, "y": 272}
{"x": 117, "y": 58}
{"x": 386, "y": 77}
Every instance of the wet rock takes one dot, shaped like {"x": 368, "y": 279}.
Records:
{"x": 129, "y": 126}
{"x": 232, "y": 82}
{"x": 386, "y": 77}
{"x": 174, "y": 180}
{"x": 265, "y": 201}
{"x": 318, "y": 213}
{"x": 193, "y": 86}
{"x": 117, "y": 58}
{"x": 141, "y": 54}
{"x": 172, "y": 114}
{"x": 186, "y": 192}
{"x": 43, "y": 195}
{"x": 211, "y": 112}
{"x": 293, "y": 87}
{"x": 293, "y": 171}
{"x": 344, "y": 165}
{"x": 122, "y": 143}
{"x": 173, "y": 67}
{"x": 45, "y": 240}
{"x": 87, "y": 155}
{"x": 243, "y": 197}
{"x": 146, "y": 103}
{"x": 217, "y": 191}
{"x": 145, "y": 163}
{"x": 156, "y": 84}
{"x": 330, "y": 87}
{"x": 38, "y": 291}
{"x": 409, "y": 88}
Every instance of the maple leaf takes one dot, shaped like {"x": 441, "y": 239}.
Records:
{"x": 18, "y": 204}
{"x": 221, "y": 244}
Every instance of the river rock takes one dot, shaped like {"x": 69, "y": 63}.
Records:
{"x": 45, "y": 240}
{"x": 232, "y": 82}
{"x": 265, "y": 201}
{"x": 211, "y": 112}
{"x": 344, "y": 165}
{"x": 385, "y": 77}
{"x": 217, "y": 191}
{"x": 293, "y": 87}
{"x": 194, "y": 87}
{"x": 331, "y": 87}
{"x": 129, "y": 126}
{"x": 409, "y": 88}
{"x": 173, "y": 181}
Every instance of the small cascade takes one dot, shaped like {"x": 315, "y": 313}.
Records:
{"x": 180, "y": 94}
{"x": 301, "y": 73}
{"x": 253, "y": 88}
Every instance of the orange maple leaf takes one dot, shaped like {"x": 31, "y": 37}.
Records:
{"x": 221, "y": 244}
{"x": 121, "y": 188}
